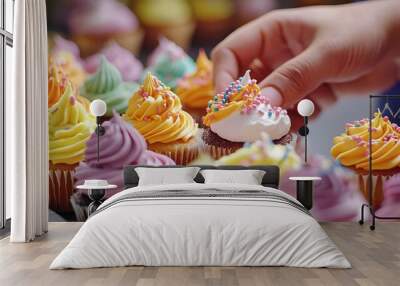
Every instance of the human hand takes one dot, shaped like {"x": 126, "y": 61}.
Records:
{"x": 317, "y": 52}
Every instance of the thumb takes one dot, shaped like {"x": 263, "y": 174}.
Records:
{"x": 296, "y": 78}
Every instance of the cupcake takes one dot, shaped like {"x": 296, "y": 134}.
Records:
{"x": 128, "y": 65}
{"x": 241, "y": 114}
{"x": 214, "y": 19}
{"x": 70, "y": 127}
{"x": 249, "y": 10}
{"x": 120, "y": 146}
{"x": 170, "y": 63}
{"x": 391, "y": 202}
{"x": 95, "y": 23}
{"x": 351, "y": 149}
{"x": 196, "y": 90}
{"x": 156, "y": 112}
{"x": 107, "y": 84}
{"x": 57, "y": 82}
{"x": 264, "y": 152}
{"x": 70, "y": 66}
{"x": 335, "y": 196}
{"x": 168, "y": 18}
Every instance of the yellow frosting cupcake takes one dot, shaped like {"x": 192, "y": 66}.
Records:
{"x": 70, "y": 126}
{"x": 156, "y": 112}
{"x": 351, "y": 149}
{"x": 70, "y": 67}
{"x": 196, "y": 89}
{"x": 264, "y": 152}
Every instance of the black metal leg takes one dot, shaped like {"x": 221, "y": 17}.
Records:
{"x": 97, "y": 197}
{"x": 305, "y": 193}
{"x": 361, "y": 221}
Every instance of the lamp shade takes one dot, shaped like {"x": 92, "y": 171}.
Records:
{"x": 98, "y": 107}
{"x": 305, "y": 107}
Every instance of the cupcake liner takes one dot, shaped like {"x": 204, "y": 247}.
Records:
{"x": 181, "y": 35}
{"x": 61, "y": 187}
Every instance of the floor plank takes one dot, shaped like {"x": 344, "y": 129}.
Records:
{"x": 375, "y": 257}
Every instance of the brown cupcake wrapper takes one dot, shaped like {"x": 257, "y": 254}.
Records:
{"x": 61, "y": 188}
{"x": 181, "y": 156}
{"x": 377, "y": 188}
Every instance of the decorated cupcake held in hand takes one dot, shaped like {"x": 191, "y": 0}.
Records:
{"x": 70, "y": 127}
{"x": 335, "y": 196}
{"x": 169, "y": 63}
{"x": 241, "y": 114}
{"x": 167, "y": 18}
{"x": 128, "y": 65}
{"x": 264, "y": 152}
{"x": 106, "y": 84}
{"x": 120, "y": 146}
{"x": 156, "y": 112}
{"x": 196, "y": 90}
{"x": 95, "y": 23}
{"x": 351, "y": 149}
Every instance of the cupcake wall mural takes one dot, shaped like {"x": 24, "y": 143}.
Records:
{"x": 150, "y": 61}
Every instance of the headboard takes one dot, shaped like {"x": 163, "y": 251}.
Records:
{"x": 270, "y": 179}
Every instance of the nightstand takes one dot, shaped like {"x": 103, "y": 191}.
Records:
{"x": 96, "y": 191}
{"x": 304, "y": 190}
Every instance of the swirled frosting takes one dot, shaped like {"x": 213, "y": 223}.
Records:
{"x": 264, "y": 152}
{"x": 242, "y": 114}
{"x": 336, "y": 196}
{"x": 107, "y": 84}
{"x": 57, "y": 83}
{"x": 196, "y": 90}
{"x": 155, "y": 159}
{"x": 156, "y": 112}
{"x": 121, "y": 145}
{"x": 61, "y": 44}
{"x": 70, "y": 127}
{"x": 170, "y": 63}
{"x": 351, "y": 148}
{"x": 128, "y": 65}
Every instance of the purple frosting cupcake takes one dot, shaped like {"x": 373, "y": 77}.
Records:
{"x": 121, "y": 145}
{"x": 391, "y": 202}
{"x": 129, "y": 66}
{"x": 336, "y": 196}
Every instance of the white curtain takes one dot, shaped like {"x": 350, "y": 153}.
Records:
{"x": 26, "y": 131}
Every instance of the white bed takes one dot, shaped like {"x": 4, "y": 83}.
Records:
{"x": 204, "y": 230}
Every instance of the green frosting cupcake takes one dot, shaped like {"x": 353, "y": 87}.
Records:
{"x": 169, "y": 69}
{"x": 106, "y": 84}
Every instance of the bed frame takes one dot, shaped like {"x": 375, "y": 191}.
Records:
{"x": 270, "y": 179}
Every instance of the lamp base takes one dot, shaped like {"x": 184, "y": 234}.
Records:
{"x": 304, "y": 131}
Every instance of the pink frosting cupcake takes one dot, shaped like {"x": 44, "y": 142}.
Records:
{"x": 64, "y": 45}
{"x": 94, "y": 23}
{"x": 129, "y": 66}
{"x": 335, "y": 197}
{"x": 121, "y": 145}
{"x": 391, "y": 202}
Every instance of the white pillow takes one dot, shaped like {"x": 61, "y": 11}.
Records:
{"x": 248, "y": 177}
{"x": 166, "y": 176}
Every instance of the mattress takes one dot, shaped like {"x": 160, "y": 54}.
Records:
{"x": 201, "y": 225}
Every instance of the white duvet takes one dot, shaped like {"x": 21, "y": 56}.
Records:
{"x": 200, "y": 231}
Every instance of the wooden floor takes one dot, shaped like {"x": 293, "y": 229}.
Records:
{"x": 375, "y": 257}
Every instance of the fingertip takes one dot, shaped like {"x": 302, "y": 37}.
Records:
{"x": 222, "y": 80}
{"x": 273, "y": 95}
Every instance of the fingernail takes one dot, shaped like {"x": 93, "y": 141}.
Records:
{"x": 274, "y": 96}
